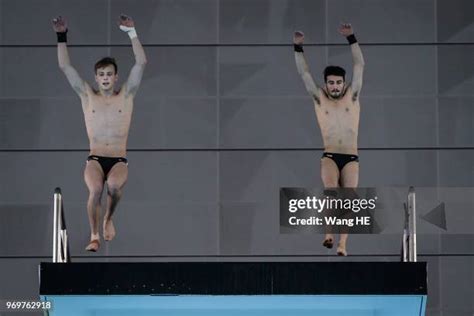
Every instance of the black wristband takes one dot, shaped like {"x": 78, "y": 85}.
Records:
{"x": 351, "y": 39}
{"x": 62, "y": 37}
{"x": 298, "y": 48}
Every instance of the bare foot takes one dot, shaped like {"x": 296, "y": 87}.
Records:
{"x": 109, "y": 230}
{"x": 93, "y": 245}
{"x": 328, "y": 241}
{"x": 341, "y": 250}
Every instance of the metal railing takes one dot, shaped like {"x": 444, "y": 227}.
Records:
{"x": 60, "y": 242}
{"x": 409, "y": 253}
{"x": 61, "y": 252}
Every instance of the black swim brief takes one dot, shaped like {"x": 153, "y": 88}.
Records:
{"x": 341, "y": 159}
{"x": 107, "y": 162}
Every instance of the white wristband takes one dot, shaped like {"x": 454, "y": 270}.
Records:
{"x": 132, "y": 33}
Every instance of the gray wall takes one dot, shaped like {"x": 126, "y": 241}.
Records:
{"x": 220, "y": 124}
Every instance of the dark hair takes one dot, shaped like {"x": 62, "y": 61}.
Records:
{"x": 104, "y": 62}
{"x": 334, "y": 71}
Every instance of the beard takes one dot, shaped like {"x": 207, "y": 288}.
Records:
{"x": 335, "y": 94}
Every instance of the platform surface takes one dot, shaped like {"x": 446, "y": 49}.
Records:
{"x": 226, "y": 288}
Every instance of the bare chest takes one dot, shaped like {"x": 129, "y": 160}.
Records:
{"x": 343, "y": 111}
{"x": 111, "y": 111}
